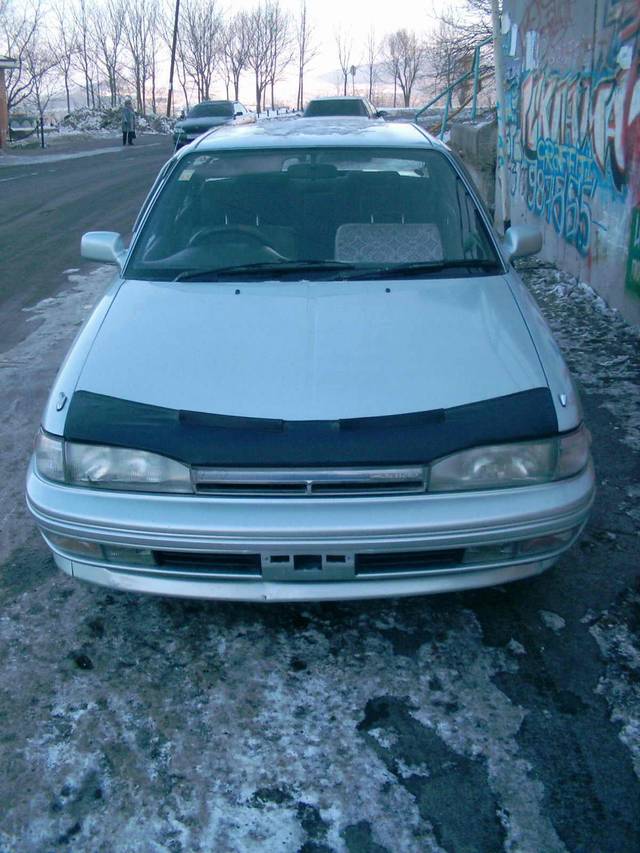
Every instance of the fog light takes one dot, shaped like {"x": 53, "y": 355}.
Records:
{"x": 75, "y": 547}
{"x": 550, "y": 542}
{"x": 129, "y": 556}
{"x": 494, "y": 553}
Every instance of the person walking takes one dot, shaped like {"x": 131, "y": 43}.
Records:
{"x": 128, "y": 123}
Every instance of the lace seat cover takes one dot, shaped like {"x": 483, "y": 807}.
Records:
{"x": 379, "y": 242}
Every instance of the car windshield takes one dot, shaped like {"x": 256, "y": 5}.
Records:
{"x": 312, "y": 213}
{"x": 337, "y": 107}
{"x": 215, "y": 108}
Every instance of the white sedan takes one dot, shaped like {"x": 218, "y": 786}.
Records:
{"x": 316, "y": 376}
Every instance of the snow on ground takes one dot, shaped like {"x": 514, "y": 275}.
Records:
{"x": 143, "y": 724}
{"x": 107, "y": 120}
{"x": 615, "y": 632}
{"x": 602, "y": 350}
{"x": 32, "y": 364}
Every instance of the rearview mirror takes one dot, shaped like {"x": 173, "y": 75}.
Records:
{"x": 521, "y": 241}
{"x": 107, "y": 247}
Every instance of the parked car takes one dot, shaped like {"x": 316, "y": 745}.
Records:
{"x": 22, "y": 126}
{"x": 207, "y": 115}
{"x": 342, "y": 106}
{"x": 316, "y": 376}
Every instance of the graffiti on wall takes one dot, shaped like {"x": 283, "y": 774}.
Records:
{"x": 574, "y": 137}
{"x": 548, "y": 18}
{"x": 632, "y": 281}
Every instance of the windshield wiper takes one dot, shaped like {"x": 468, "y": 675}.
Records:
{"x": 424, "y": 268}
{"x": 215, "y": 273}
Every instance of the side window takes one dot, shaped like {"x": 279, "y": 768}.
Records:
{"x": 168, "y": 166}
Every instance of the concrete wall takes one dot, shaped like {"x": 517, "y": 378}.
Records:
{"x": 573, "y": 136}
{"x": 476, "y": 145}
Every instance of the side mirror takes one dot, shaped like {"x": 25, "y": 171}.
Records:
{"x": 238, "y": 115}
{"x": 381, "y": 113}
{"x": 521, "y": 241}
{"x": 106, "y": 247}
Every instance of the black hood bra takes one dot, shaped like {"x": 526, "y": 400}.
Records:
{"x": 198, "y": 438}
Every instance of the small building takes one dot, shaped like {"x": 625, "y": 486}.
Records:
{"x": 6, "y": 64}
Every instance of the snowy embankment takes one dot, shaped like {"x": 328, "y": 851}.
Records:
{"x": 107, "y": 122}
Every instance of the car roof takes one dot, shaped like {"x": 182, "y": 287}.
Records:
{"x": 328, "y": 132}
{"x": 338, "y": 98}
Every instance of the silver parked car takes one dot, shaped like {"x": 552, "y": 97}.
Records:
{"x": 316, "y": 376}
{"x": 208, "y": 115}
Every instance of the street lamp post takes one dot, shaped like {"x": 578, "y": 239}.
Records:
{"x": 6, "y": 64}
{"x": 173, "y": 58}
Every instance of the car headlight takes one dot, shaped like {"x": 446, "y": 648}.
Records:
{"x": 49, "y": 456}
{"x": 100, "y": 466}
{"x": 505, "y": 465}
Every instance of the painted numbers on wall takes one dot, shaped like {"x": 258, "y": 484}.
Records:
{"x": 573, "y": 139}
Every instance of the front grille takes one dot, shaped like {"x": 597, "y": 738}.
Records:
{"x": 250, "y": 565}
{"x": 218, "y": 564}
{"x": 312, "y": 482}
{"x": 407, "y": 561}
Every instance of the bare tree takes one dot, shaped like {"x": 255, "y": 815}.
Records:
{"x": 201, "y": 35}
{"x": 84, "y": 59}
{"x": 181, "y": 71}
{"x": 234, "y": 44}
{"x": 18, "y": 32}
{"x": 405, "y": 58}
{"x": 307, "y": 50}
{"x": 344, "y": 48}
{"x": 63, "y": 46}
{"x": 165, "y": 29}
{"x": 140, "y": 23}
{"x": 257, "y": 51}
{"x": 280, "y": 50}
{"x": 40, "y": 64}
{"x": 459, "y": 32}
{"x": 372, "y": 56}
{"x": 473, "y": 23}
{"x": 108, "y": 31}
{"x": 450, "y": 57}
{"x": 155, "y": 38}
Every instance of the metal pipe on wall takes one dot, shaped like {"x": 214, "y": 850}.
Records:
{"x": 501, "y": 171}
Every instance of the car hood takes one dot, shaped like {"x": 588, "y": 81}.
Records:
{"x": 312, "y": 350}
{"x": 204, "y": 123}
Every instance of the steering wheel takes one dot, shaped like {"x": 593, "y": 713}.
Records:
{"x": 218, "y": 231}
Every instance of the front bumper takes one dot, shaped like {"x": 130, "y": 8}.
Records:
{"x": 325, "y": 528}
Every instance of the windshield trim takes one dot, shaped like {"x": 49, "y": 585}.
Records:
{"x": 182, "y": 156}
{"x": 212, "y": 105}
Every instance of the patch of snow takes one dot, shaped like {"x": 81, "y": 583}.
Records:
{"x": 107, "y": 121}
{"x": 620, "y": 685}
{"x": 385, "y": 739}
{"x": 408, "y": 770}
{"x": 552, "y": 620}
